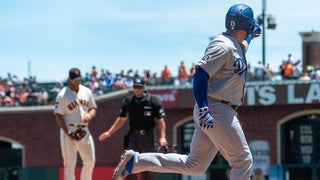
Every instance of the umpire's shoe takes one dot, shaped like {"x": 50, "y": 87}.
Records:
{"x": 125, "y": 165}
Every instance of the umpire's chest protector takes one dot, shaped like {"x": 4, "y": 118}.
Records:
{"x": 142, "y": 112}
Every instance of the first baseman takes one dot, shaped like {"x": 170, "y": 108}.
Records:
{"x": 75, "y": 107}
{"x": 218, "y": 90}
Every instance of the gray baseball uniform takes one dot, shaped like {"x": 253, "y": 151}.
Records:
{"x": 218, "y": 88}
{"x": 225, "y": 63}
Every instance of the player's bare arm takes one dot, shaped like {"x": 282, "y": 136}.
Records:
{"x": 61, "y": 123}
{"x": 91, "y": 114}
{"x": 162, "y": 132}
{"x": 116, "y": 125}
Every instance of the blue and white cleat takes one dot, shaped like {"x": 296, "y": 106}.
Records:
{"x": 125, "y": 165}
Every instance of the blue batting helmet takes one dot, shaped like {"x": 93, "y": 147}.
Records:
{"x": 240, "y": 17}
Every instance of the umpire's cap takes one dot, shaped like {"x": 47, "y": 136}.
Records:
{"x": 138, "y": 83}
{"x": 75, "y": 74}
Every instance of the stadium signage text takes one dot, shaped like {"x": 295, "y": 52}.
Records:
{"x": 168, "y": 98}
{"x": 282, "y": 94}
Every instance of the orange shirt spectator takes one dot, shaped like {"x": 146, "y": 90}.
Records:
{"x": 23, "y": 96}
{"x": 165, "y": 75}
{"x": 183, "y": 74}
{"x": 288, "y": 70}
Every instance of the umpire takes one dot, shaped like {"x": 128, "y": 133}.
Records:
{"x": 144, "y": 112}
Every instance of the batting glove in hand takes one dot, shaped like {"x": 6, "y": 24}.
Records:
{"x": 256, "y": 31}
{"x": 205, "y": 118}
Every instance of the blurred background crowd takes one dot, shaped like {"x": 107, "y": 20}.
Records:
{"x": 15, "y": 91}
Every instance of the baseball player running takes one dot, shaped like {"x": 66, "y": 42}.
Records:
{"x": 74, "y": 109}
{"x": 218, "y": 90}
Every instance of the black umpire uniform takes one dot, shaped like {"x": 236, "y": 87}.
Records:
{"x": 144, "y": 112}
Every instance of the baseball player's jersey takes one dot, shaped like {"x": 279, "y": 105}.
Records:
{"x": 225, "y": 63}
{"x": 74, "y": 105}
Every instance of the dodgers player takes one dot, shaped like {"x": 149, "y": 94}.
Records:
{"x": 218, "y": 90}
{"x": 75, "y": 105}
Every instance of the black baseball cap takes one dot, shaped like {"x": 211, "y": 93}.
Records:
{"x": 138, "y": 83}
{"x": 75, "y": 74}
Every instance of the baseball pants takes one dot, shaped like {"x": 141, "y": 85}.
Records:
{"x": 226, "y": 136}
{"x": 69, "y": 149}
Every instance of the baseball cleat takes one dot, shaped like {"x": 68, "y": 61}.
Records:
{"x": 125, "y": 165}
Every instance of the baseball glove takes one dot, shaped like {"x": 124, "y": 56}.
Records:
{"x": 78, "y": 134}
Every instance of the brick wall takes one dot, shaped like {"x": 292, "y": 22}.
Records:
{"x": 36, "y": 130}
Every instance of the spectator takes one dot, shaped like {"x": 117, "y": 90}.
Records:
{"x": 136, "y": 74}
{"x": 102, "y": 74}
{"x": 2, "y": 102}
{"x": 120, "y": 81}
{"x": 259, "y": 72}
{"x": 288, "y": 70}
{"x": 281, "y": 69}
{"x": 1, "y": 87}
{"x": 310, "y": 68}
{"x": 317, "y": 72}
{"x": 154, "y": 80}
{"x": 43, "y": 97}
{"x": 146, "y": 75}
{"x": 305, "y": 76}
{"x": 23, "y": 96}
{"x": 166, "y": 75}
{"x": 57, "y": 87}
{"x": 31, "y": 101}
{"x": 183, "y": 74}
{"x": 249, "y": 73}
{"x": 313, "y": 71}
{"x": 94, "y": 74}
{"x": 87, "y": 78}
{"x": 290, "y": 58}
{"x": 291, "y": 69}
{"x": 9, "y": 101}
{"x": 269, "y": 71}
{"x": 191, "y": 72}
{"x": 109, "y": 79}
{"x": 130, "y": 76}
{"x": 297, "y": 70}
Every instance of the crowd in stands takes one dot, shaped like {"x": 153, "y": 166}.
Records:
{"x": 25, "y": 92}
{"x": 29, "y": 92}
{"x": 290, "y": 69}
